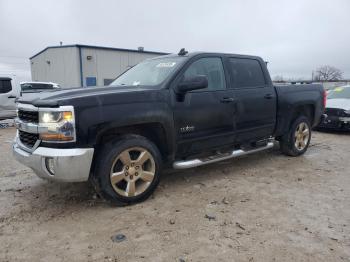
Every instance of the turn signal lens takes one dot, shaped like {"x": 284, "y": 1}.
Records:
{"x": 67, "y": 116}
{"x": 55, "y": 137}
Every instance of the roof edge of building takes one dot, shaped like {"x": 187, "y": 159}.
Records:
{"x": 99, "y": 47}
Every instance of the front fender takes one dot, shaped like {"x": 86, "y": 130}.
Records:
{"x": 98, "y": 120}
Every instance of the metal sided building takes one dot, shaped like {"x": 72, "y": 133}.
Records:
{"x": 84, "y": 65}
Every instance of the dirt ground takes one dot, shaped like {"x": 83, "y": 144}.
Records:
{"x": 262, "y": 207}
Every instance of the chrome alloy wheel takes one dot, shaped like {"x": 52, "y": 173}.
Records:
{"x": 132, "y": 171}
{"x": 301, "y": 136}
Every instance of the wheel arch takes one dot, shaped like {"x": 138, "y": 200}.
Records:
{"x": 307, "y": 110}
{"x": 286, "y": 119}
{"x": 155, "y": 132}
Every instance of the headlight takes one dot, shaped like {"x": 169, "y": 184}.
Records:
{"x": 57, "y": 125}
{"x": 50, "y": 117}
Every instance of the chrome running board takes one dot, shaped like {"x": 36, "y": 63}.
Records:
{"x": 216, "y": 158}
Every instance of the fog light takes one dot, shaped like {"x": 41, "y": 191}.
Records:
{"x": 344, "y": 119}
{"x": 49, "y": 165}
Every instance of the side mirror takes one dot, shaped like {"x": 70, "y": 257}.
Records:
{"x": 192, "y": 83}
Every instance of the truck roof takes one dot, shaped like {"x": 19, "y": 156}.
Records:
{"x": 192, "y": 54}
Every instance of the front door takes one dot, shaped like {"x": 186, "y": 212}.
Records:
{"x": 204, "y": 120}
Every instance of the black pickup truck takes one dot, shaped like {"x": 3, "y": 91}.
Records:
{"x": 180, "y": 111}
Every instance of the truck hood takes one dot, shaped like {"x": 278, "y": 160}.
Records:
{"x": 341, "y": 103}
{"x": 60, "y": 97}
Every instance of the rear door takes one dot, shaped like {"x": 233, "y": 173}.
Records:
{"x": 204, "y": 120}
{"x": 256, "y": 99}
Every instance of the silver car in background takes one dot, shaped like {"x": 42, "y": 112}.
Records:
{"x": 337, "y": 109}
{"x": 9, "y": 91}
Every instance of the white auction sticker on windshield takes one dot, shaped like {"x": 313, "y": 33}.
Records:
{"x": 168, "y": 64}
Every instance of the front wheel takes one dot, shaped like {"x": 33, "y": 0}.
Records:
{"x": 128, "y": 170}
{"x": 297, "y": 140}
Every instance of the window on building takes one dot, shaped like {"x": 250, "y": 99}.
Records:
{"x": 5, "y": 85}
{"x": 107, "y": 81}
{"x": 246, "y": 73}
{"x": 91, "y": 81}
{"x": 210, "y": 67}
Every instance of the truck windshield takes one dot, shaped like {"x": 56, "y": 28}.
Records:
{"x": 339, "y": 92}
{"x": 149, "y": 72}
{"x": 35, "y": 86}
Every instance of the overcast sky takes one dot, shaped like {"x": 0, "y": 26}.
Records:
{"x": 295, "y": 36}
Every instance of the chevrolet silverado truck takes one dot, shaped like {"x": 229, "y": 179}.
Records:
{"x": 176, "y": 111}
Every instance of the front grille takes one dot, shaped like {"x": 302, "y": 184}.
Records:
{"x": 332, "y": 123}
{"x": 28, "y": 139}
{"x": 28, "y": 116}
{"x": 335, "y": 112}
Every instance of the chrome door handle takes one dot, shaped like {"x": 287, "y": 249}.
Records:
{"x": 227, "y": 100}
{"x": 268, "y": 96}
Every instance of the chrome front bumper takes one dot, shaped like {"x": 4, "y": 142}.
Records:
{"x": 70, "y": 165}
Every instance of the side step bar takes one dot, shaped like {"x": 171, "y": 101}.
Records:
{"x": 200, "y": 162}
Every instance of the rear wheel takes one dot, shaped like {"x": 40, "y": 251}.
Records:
{"x": 297, "y": 140}
{"x": 128, "y": 170}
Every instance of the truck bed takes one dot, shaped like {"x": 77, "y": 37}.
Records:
{"x": 290, "y": 96}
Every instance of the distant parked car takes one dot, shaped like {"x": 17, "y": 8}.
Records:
{"x": 337, "y": 109}
{"x": 37, "y": 87}
{"x": 9, "y": 91}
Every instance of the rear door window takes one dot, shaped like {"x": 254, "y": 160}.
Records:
{"x": 246, "y": 73}
{"x": 5, "y": 85}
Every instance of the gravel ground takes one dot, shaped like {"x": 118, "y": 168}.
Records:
{"x": 262, "y": 207}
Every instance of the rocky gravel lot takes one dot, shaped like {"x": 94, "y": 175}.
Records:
{"x": 262, "y": 207}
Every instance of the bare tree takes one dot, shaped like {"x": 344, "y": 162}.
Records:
{"x": 328, "y": 73}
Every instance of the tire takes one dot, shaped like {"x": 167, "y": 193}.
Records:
{"x": 122, "y": 180}
{"x": 297, "y": 140}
